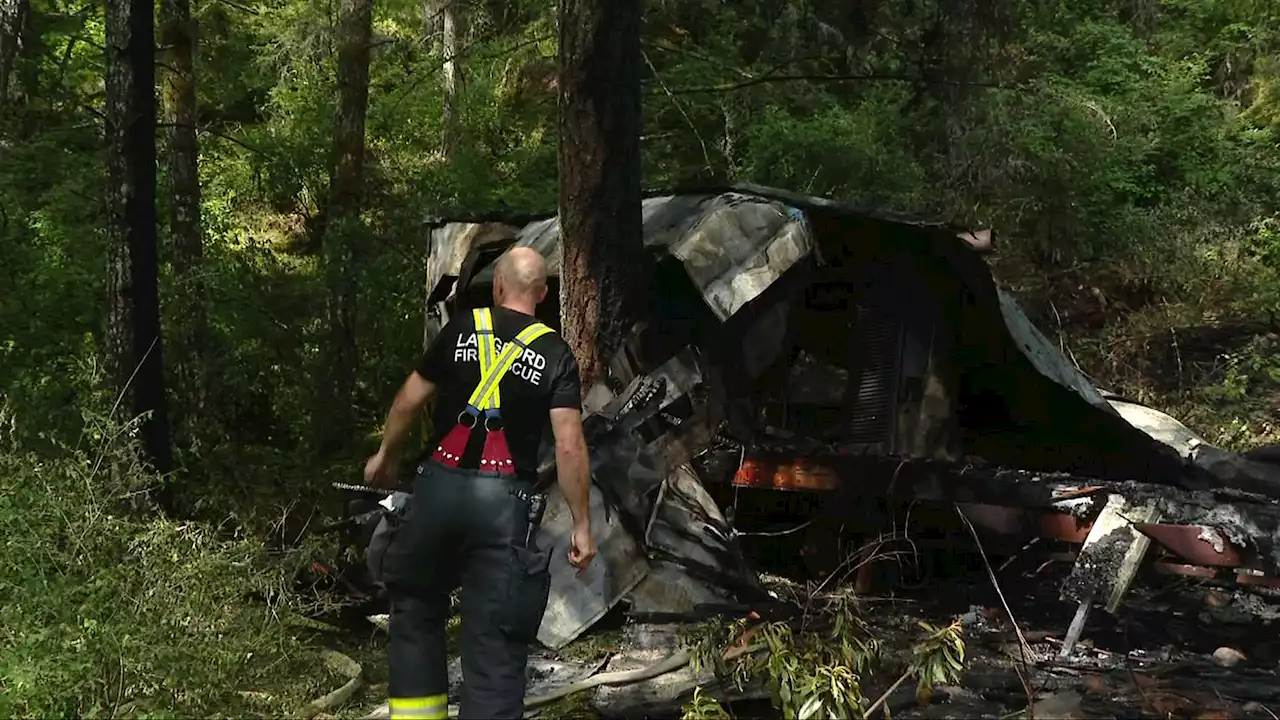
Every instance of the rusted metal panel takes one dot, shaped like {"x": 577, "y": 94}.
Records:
{"x": 1208, "y": 573}
{"x": 1061, "y": 526}
{"x": 1198, "y": 544}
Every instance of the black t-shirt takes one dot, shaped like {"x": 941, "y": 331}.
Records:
{"x": 545, "y": 376}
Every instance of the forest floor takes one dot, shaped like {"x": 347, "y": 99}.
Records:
{"x": 1177, "y": 648}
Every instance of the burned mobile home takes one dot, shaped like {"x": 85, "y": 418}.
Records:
{"x": 832, "y": 363}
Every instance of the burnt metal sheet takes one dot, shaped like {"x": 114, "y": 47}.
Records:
{"x": 576, "y": 603}
{"x": 1047, "y": 359}
{"x": 690, "y": 549}
{"x": 1226, "y": 468}
{"x": 450, "y": 245}
{"x": 733, "y": 246}
{"x": 729, "y": 272}
{"x": 1160, "y": 426}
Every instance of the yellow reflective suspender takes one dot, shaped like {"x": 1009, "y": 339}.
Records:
{"x": 486, "y": 399}
{"x": 485, "y": 345}
{"x": 494, "y": 365}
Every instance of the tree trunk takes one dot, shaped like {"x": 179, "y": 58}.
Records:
{"x": 13, "y": 19}
{"x": 600, "y": 219}
{"x": 134, "y": 329}
{"x": 432, "y": 24}
{"x": 449, "y": 132}
{"x": 179, "y": 39}
{"x": 342, "y": 228}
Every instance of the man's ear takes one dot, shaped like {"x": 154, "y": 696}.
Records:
{"x": 542, "y": 294}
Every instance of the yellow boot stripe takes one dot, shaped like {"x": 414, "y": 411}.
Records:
{"x": 432, "y": 707}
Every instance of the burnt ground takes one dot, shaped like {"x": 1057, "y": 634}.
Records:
{"x": 1154, "y": 659}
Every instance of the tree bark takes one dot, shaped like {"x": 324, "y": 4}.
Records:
{"x": 179, "y": 39}
{"x": 602, "y": 278}
{"x": 342, "y": 227}
{"x": 134, "y": 317}
{"x": 13, "y": 20}
{"x": 432, "y": 24}
{"x": 449, "y": 124}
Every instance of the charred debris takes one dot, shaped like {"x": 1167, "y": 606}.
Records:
{"x": 816, "y": 382}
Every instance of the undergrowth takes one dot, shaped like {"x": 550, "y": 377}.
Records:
{"x": 1189, "y": 327}
{"x": 818, "y": 666}
{"x": 111, "y": 610}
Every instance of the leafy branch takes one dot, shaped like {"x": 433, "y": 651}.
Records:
{"x": 817, "y": 669}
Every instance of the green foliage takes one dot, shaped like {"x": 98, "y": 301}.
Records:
{"x": 1128, "y": 155}
{"x": 703, "y": 707}
{"x": 1097, "y": 140}
{"x": 816, "y": 668}
{"x": 110, "y": 610}
{"x": 938, "y": 659}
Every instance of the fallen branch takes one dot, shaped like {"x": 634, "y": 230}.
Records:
{"x": 885, "y": 696}
{"x": 343, "y": 665}
{"x": 676, "y": 661}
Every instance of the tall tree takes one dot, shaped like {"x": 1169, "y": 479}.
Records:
{"x": 600, "y": 219}
{"x": 342, "y": 235}
{"x": 134, "y": 319}
{"x": 178, "y": 37}
{"x": 449, "y": 45}
{"x": 13, "y": 19}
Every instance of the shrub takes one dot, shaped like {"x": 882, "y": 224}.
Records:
{"x": 110, "y": 609}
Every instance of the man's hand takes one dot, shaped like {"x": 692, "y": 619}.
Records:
{"x": 380, "y": 471}
{"x": 581, "y": 547}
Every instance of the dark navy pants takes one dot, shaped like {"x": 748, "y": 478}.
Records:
{"x": 478, "y": 531}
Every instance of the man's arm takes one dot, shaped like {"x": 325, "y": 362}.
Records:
{"x": 380, "y": 470}
{"x": 411, "y": 398}
{"x": 573, "y": 466}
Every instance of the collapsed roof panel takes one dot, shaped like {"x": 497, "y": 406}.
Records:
{"x": 450, "y": 246}
{"x": 1228, "y": 469}
{"x": 1047, "y": 359}
{"x": 733, "y": 246}
{"x": 736, "y": 245}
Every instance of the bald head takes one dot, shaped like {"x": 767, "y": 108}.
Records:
{"x": 520, "y": 279}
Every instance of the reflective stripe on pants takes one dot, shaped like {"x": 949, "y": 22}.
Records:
{"x": 432, "y": 707}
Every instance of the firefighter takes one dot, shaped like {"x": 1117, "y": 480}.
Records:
{"x": 501, "y": 380}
